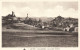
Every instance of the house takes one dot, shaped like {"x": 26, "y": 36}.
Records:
{"x": 66, "y": 29}
{"x": 71, "y": 28}
{"x": 76, "y": 29}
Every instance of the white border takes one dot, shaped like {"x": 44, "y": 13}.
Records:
{"x": 37, "y": 48}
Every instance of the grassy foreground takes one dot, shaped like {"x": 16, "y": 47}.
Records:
{"x": 36, "y": 39}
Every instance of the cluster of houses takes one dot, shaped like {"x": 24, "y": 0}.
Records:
{"x": 11, "y": 18}
{"x": 71, "y": 28}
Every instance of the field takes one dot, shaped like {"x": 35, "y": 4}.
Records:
{"x": 39, "y": 39}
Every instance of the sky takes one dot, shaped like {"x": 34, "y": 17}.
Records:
{"x": 41, "y": 9}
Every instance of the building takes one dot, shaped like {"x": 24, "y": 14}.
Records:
{"x": 76, "y": 29}
{"x": 10, "y": 18}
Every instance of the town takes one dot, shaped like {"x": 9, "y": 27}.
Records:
{"x": 58, "y": 23}
{"x": 39, "y": 32}
{"x": 40, "y": 24}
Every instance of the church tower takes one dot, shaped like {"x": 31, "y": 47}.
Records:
{"x": 27, "y": 15}
{"x": 13, "y": 15}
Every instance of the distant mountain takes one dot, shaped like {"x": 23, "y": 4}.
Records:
{"x": 44, "y": 19}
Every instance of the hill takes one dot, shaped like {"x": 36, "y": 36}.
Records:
{"x": 20, "y": 26}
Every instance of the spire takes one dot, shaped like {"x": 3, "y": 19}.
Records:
{"x": 27, "y": 14}
{"x": 12, "y": 13}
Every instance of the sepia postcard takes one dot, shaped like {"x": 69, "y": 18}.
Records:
{"x": 39, "y": 25}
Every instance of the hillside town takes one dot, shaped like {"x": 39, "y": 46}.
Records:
{"x": 40, "y": 24}
{"x": 59, "y": 23}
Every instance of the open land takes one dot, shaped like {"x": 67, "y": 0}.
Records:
{"x": 39, "y": 38}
